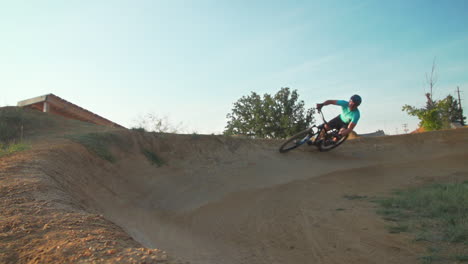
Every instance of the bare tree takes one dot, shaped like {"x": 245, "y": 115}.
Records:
{"x": 431, "y": 81}
{"x": 155, "y": 123}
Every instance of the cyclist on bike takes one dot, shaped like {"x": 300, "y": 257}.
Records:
{"x": 348, "y": 119}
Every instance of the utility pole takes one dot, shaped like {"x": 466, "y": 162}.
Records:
{"x": 405, "y": 128}
{"x": 459, "y": 100}
{"x": 460, "y": 105}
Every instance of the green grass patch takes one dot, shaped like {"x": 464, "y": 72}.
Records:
{"x": 11, "y": 122}
{"x": 138, "y": 129}
{"x": 391, "y": 214}
{"x": 12, "y": 148}
{"x": 98, "y": 143}
{"x": 431, "y": 259}
{"x": 152, "y": 157}
{"x": 354, "y": 196}
{"x": 17, "y": 123}
{"x": 397, "y": 229}
{"x": 461, "y": 258}
{"x": 436, "y": 213}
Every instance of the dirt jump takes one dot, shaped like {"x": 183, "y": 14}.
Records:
{"x": 168, "y": 198}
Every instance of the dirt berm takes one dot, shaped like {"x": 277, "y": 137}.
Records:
{"x": 166, "y": 198}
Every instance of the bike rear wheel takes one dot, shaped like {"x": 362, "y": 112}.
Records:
{"x": 328, "y": 143}
{"x": 296, "y": 140}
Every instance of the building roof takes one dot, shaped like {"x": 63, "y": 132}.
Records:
{"x": 56, "y": 105}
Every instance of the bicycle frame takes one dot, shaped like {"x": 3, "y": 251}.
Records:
{"x": 312, "y": 133}
{"x": 323, "y": 118}
{"x": 312, "y": 136}
{"x": 319, "y": 127}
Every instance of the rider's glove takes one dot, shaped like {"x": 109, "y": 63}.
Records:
{"x": 319, "y": 107}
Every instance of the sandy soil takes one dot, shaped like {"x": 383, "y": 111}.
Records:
{"x": 40, "y": 223}
{"x": 215, "y": 199}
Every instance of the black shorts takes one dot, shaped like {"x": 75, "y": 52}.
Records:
{"x": 337, "y": 123}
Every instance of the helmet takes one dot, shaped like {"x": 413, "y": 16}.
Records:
{"x": 356, "y": 99}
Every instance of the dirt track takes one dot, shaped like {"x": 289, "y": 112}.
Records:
{"x": 217, "y": 199}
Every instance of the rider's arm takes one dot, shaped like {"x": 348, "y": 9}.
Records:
{"x": 327, "y": 102}
{"x": 348, "y": 130}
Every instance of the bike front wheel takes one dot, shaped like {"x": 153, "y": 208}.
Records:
{"x": 296, "y": 140}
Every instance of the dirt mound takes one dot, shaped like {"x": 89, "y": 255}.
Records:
{"x": 213, "y": 199}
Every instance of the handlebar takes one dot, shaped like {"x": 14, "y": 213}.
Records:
{"x": 323, "y": 117}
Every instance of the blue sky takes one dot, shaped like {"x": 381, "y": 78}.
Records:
{"x": 191, "y": 60}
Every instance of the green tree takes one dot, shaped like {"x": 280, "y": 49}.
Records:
{"x": 278, "y": 116}
{"x": 451, "y": 111}
{"x": 438, "y": 114}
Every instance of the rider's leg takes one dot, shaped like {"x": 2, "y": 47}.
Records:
{"x": 322, "y": 133}
{"x": 338, "y": 138}
{"x": 335, "y": 123}
{"x": 323, "y": 129}
{"x": 343, "y": 127}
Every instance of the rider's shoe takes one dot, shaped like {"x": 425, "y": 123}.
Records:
{"x": 309, "y": 142}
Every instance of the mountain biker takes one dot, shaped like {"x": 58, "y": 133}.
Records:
{"x": 348, "y": 119}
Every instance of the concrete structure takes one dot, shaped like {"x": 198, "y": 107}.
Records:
{"x": 378, "y": 133}
{"x": 53, "y": 104}
{"x": 455, "y": 125}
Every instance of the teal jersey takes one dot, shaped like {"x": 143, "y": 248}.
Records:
{"x": 348, "y": 116}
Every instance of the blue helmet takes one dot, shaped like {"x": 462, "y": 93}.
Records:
{"x": 356, "y": 99}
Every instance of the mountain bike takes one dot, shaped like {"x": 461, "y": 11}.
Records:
{"x": 316, "y": 135}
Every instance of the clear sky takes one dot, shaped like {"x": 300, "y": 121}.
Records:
{"x": 191, "y": 60}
